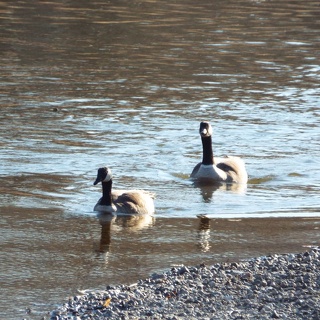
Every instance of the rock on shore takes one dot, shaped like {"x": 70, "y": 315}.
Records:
{"x": 273, "y": 287}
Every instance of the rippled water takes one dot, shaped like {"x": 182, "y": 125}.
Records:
{"x": 125, "y": 84}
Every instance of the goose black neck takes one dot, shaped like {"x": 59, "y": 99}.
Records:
{"x": 207, "y": 152}
{"x": 106, "y": 193}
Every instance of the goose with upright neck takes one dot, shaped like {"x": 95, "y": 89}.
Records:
{"x": 121, "y": 201}
{"x": 228, "y": 169}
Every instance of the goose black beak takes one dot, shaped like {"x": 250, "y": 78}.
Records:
{"x": 97, "y": 181}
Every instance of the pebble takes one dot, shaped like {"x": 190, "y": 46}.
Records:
{"x": 274, "y": 287}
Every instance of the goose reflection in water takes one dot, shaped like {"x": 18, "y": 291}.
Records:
{"x": 204, "y": 232}
{"x": 207, "y": 189}
{"x": 112, "y": 223}
{"x": 105, "y": 239}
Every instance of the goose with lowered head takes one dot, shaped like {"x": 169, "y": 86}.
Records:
{"x": 228, "y": 169}
{"x": 121, "y": 201}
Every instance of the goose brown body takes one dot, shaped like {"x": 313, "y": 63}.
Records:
{"x": 122, "y": 201}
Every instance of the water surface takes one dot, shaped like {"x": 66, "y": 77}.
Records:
{"x": 125, "y": 84}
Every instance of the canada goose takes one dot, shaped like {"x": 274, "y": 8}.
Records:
{"x": 121, "y": 201}
{"x": 228, "y": 169}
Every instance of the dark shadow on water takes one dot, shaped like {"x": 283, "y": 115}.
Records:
{"x": 261, "y": 180}
{"x": 82, "y": 252}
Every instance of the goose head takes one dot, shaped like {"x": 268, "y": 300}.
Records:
{"x": 205, "y": 129}
{"x": 104, "y": 175}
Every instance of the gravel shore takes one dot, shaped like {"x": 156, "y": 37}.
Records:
{"x": 273, "y": 287}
